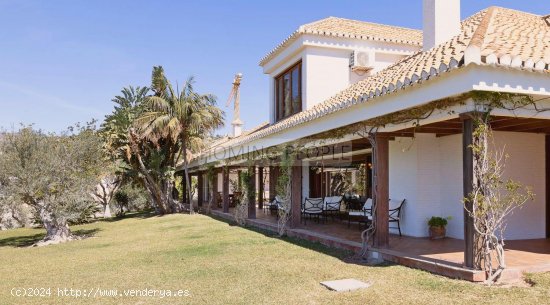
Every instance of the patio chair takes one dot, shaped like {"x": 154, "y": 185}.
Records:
{"x": 331, "y": 205}
{"x": 267, "y": 205}
{"x": 363, "y": 215}
{"x": 312, "y": 207}
{"x": 273, "y": 205}
{"x": 395, "y": 212}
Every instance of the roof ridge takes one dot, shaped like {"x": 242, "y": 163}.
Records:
{"x": 472, "y": 53}
{"x": 420, "y": 52}
{"x": 376, "y": 23}
{"x": 495, "y": 31}
{"x": 481, "y": 30}
{"x": 303, "y": 26}
{"x": 329, "y": 26}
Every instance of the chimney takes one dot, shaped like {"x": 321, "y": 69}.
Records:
{"x": 237, "y": 128}
{"x": 441, "y": 21}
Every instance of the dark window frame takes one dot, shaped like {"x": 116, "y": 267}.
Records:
{"x": 279, "y": 94}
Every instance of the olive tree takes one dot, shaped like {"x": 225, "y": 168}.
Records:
{"x": 52, "y": 174}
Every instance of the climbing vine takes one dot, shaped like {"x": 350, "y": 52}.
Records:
{"x": 493, "y": 198}
{"x": 368, "y": 233}
{"x": 284, "y": 186}
{"x": 489, "y": 211}
{"x": 211, "y": 175}
{"x": 245, "y": 195}
{"x": 487, "y": 195}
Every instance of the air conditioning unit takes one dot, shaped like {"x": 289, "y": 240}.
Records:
{"x": 361, "y": 61}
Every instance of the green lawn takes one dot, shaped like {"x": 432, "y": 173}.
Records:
{"x": 220, "y": 264}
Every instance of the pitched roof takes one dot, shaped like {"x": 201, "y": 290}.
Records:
{"x": 502, "y": 37}
{"x": 516, "y": 34}
{"x": 347, "y": 28}
{"x": 223, "y": 140}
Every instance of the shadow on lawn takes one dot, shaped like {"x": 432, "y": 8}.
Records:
{"x": 133, "y": 215}
{"x": 29, "y": 240}
{"x": 346, "y": 256}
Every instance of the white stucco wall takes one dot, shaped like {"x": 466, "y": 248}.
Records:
{"x": 526, "y": 164}
{"x": 305, "y": 180}
{"x": 415, "y": 176}
{"x": 220, "y": 182}
{"x": 403, "y": 183}
{"x": 450, "y": 186}
{"x": 427, "y": 171}
{"x": 327, "y": 73}
{"x": 325, "y": 65}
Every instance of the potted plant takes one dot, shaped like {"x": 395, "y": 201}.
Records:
{"x": 437, "y": 227}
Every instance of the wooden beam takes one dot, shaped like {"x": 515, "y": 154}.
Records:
{"x": 446, "y": 124}
{"x": 540, "y": 130}
{"x": 200, "y": 188}
{"x": 533, "y": 125}
{"x": 468, "y": 127}
{"x": 215, "y": 189}
{"x": 435, "y": 129}
{"x": 296, "y": 194}
{"x": 260, "y": 187}
{"x": 225, "y": 189}
{"x": 184, "y": 189}
{"x": 509, "y": 122}
{"x": 547, "y": 180}
{"x": 498, "y": 119}
{"x": 405, "y": 133}
{"x": 252, "y": 193}
{"x": 368, "y": 176}
{"x": 382, "y": 196}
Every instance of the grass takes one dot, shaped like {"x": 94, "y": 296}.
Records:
{"x": 221, "y": 264}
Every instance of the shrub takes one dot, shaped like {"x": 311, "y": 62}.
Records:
{"x": 121, "y": 202}
{"x": 436, "y": 221}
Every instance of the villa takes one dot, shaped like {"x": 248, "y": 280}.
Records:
{"x": 331, "y": 78}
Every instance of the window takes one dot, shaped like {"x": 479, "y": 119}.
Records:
{"x": 288, "y": 92}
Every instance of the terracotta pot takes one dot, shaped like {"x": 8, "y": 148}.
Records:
{"x": 437, "y": 232}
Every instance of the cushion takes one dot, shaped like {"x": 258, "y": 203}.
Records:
{"x": 313, "y": 205}
{"x": 368, "y": 204}
{"x": 359, "y": 213}
{"x": 332, "y": 203}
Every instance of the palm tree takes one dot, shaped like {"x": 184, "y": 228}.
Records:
{"x": 182, "y": 116}
{"x": 116, "y": 126}
{"x": 135, "y": 158}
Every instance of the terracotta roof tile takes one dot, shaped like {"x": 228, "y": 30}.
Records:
{"x": 340, "y": 27}
{"x": 495, "y": 36}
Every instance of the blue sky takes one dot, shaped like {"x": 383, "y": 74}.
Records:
{"x": 61, "y": 61}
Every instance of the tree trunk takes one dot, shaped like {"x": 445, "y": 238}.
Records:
{"x": 187, "y": 178}
{"x": 153, "y": 201}
{"x": 150, "y": 183}
{"x": 157, "y": 196}
{"x": 104, "y": 192}
{"x": 57, "y": 229}
{"x": 168, "y": 186}
{"x": 106, "y": 211}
